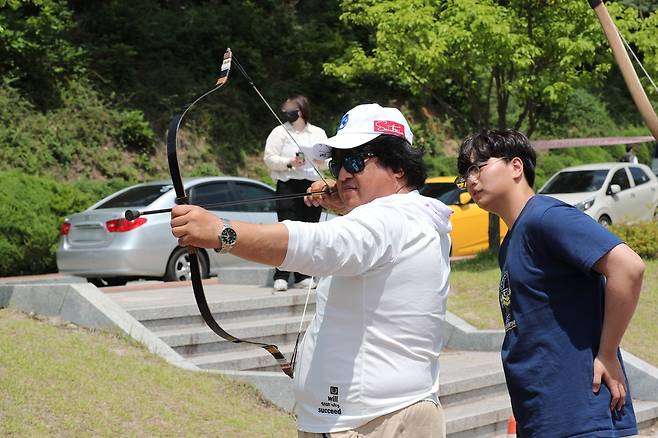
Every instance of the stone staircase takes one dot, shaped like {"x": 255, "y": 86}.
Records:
{"x": 472, "y": 388}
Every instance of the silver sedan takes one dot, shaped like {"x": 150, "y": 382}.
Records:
{"x": 101, "y": 245}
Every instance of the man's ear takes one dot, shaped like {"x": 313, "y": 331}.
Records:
{"x": 517, "y": 167}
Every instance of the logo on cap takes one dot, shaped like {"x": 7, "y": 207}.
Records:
{"x": 343, "y": 122}
{"x": 389, "y": 127}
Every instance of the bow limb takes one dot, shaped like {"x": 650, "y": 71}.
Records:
{"x": 628, "y": 72}
{"x": 182, "y": 198}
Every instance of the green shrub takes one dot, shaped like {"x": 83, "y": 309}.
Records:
{"x": 85, "y": 137}
{"x": 135, "y": 132}
{"x": 33, "y": 210}
{"x": 642, "y": 237}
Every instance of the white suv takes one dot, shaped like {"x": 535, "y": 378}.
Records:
{"x": 608, "y": 192}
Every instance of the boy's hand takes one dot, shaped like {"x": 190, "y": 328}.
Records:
{"x": 608, "y": 370}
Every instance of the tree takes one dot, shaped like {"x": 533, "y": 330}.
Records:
{"x": 504, "y": 63}
{"x": 36, "y": 53}
{"x": 496, "y": 63}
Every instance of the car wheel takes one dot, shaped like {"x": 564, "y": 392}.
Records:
{"x": 108, "y": 282}
{"x": 178, "y": 267}
{"x": 605, "y": 221}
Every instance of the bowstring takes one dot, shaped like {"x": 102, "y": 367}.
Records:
{"x": 253, "y": 85}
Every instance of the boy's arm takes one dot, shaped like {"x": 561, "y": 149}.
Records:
{"x": 623, "y": 270}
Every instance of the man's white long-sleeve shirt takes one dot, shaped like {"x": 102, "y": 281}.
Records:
{"x": 373, "y": 346}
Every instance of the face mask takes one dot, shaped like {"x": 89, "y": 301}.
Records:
{"x": 290, "y": 116}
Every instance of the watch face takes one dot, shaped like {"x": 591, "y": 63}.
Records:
{"x": 228, "y": 236}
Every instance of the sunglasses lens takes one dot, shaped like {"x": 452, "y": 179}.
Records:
{"x": 334, "y": 168}
{"x": 353, "y": 164}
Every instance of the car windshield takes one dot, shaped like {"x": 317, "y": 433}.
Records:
{"x": 576, "y": 181}
{"x": 448, "y": 193}
{"x": 137, "y": 196}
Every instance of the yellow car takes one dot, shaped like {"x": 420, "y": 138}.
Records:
{"x": 470, "y": 224}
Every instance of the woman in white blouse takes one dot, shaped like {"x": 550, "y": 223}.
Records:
{"x": 292, "y": 171}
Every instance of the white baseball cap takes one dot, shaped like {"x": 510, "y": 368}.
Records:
{"x": 362, "y": 124}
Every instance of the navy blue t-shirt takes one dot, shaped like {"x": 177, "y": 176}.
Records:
{"x": 552, "y": 305}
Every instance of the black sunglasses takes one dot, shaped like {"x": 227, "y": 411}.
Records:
{"x": 354, "y": 163}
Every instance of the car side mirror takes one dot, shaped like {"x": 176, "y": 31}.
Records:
{"x": 614, "y": 189}
{"x": 464, "y": 198}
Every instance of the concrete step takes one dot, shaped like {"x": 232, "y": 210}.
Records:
{"x": 467, "y": 376}
{"x": 199, "y": 339}
{"x": 488, "y": 417}
{"x": 225, "y": 309}
{"x": 479, "y": 418}
{"x": 252, "y": 274}
{"x": 253, "y": 359}
{"x": 646, "y": 413}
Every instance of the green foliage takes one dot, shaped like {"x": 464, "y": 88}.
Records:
{"x": 441, "y": 166}
{"x": 135, "y": 132}
{"x": 513, "y": 59}
{"x": 34, "y": 208}
{"x": 638, "y": 25}
{"x": 642, "y": 237}
{"x": 36, "y": 52}
{"x": 157, "y": 56}
{"x": 84, "y": 137}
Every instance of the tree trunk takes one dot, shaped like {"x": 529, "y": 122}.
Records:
{"x": 494, "y": 233}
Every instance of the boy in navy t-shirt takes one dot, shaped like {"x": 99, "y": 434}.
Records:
{"x": 568, "y": 290}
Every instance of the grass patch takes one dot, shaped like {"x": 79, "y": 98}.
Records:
{"x": 474, "y": 291}
{"x": 641, "y": 338}
{"x": 474, "y": 297}
{"x": 59, "y": 380}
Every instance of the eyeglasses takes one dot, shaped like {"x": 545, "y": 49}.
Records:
{"x": 351, "y": 163}
{"x": 473, "y": 172}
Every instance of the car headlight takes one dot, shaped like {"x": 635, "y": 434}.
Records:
{"x": 585, "y": 205}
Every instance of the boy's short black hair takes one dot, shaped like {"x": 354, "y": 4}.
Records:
{"x": 395, "y": 153}
{"x": 498, "y": 143}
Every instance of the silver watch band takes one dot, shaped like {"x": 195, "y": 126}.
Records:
{"x": 227, "y": 237}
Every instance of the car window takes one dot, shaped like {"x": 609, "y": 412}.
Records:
{"x": 451, "y": 197}
{"x": 245, "y": 190}
{"x": 137, "y": 196}
{"x": 639, "y": 175}
{"x": 576, "y": 181}
{"x": 621, "y": 178}
{"x": 435, "y": 190}
{"x": 214, "y": 193}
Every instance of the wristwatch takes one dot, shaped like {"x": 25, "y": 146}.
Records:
{"x": 227, "y": 238}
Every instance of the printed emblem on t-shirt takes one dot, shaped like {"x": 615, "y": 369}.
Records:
{"x": 331, "y": 406}
{"x": 505, "y": 298}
